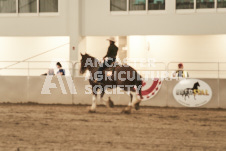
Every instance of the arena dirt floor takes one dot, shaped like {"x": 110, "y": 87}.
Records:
{"x": 72, "y": 128}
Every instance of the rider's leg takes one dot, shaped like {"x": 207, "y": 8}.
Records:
{"x": 100, "y": 70}
{"x": 107, "y": 63}
{"x": 110, "y": 61}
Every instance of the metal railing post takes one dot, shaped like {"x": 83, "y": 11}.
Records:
{"x": 28, "y": 81}
{"x": 72, "y": 95}
{"x": 218, "y": 81}
{"x": 167, "y": 94}
{"x": 73, "y": 77}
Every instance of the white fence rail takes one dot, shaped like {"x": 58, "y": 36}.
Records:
{"x": 36, "y": 68}
{"x": 31, "y": 68}
{"x": 198, "y": 69}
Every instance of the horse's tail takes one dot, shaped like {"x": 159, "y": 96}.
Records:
{"x": 139, "y": 84}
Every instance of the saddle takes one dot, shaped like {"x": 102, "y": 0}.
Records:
{"x": 110, "y": 70}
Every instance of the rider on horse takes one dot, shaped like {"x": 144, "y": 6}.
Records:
{"x": 109, "y": 58}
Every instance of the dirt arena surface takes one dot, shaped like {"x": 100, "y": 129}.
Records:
{"x": 72, "y": 128}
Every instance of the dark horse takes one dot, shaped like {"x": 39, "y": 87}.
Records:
{"x": 123, "y": 76}
{"x": 193, "y": 91}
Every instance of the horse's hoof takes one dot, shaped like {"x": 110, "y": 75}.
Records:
{"x": 127, "y": 110}
{"x": 137, "y": 106}
{"x": 111, "y": 103}
{"x": 92, "y": 111}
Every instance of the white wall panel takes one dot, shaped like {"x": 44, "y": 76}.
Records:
{"x": 52, "y": 25}
{"x": 97, "y": 21}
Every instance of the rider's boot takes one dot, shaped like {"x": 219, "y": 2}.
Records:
{"x": 97, "y": 82}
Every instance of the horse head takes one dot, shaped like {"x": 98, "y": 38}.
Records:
{"x": 84, "y": 62}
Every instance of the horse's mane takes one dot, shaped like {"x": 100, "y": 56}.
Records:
{"x": 92, "y": 58}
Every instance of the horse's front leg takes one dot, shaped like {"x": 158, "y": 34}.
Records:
{"x": 134, "y": 102}
{"x": 94, "y": 99}
{"x": 107, "y": 103}
{"x": 94, "y": 104}
{"x": 102, "y": 100}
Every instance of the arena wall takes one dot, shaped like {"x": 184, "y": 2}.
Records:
{"x": 23, "y": 89}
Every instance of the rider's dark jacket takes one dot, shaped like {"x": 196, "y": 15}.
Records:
{"x": 112, "y": 51}
{"x": 111, "y": 54}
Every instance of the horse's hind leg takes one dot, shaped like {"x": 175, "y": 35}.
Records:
{"x": 136, "y": 103}
{"x": 107, "y": 103}
{"x": 102, "y": 100}
{"x": 128, "y": 109}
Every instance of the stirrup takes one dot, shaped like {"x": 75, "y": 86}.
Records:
{"x": 97, "y": 82}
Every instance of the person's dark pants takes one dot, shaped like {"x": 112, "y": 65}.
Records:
{"x": 106, "y": 64}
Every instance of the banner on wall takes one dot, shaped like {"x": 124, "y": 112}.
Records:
{"x": 192, "y": 93}
{"x": 150, "y": 88}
